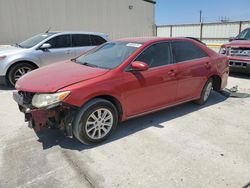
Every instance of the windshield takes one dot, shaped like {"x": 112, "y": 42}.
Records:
{"x": 29, "y": 43}
{"x": 109, "y": 55}
{"x": 244, "y": 35}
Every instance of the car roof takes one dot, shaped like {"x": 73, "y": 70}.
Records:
{"x": 77, "y": 32}
{"x": 150, "y": 39}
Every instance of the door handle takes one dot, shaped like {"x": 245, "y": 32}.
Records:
{"x": 171, "y": 72}
{"x": 208, "y": 65}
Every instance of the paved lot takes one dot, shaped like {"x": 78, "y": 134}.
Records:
{"x": 185, "y": 146}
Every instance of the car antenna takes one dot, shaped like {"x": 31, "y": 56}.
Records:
{"x": 48, "y": 30}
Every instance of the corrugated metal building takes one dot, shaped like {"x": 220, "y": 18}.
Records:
{"x": 20, "y": 19}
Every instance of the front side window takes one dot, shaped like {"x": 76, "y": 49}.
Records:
{"x": 186, "y": 50}
{"x": 29, "y": 43}
{"x": 109, "y": 55}
{"x": 61, "y": 41}
{"x": 156, "y": 55}
{"x": 81, "y": 40}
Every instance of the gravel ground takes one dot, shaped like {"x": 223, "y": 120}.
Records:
{"x": 184, "y": 146}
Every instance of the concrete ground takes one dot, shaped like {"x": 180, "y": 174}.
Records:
{"x": 184, "y": 146}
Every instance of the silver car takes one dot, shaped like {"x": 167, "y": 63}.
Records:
{"x": 44, "y": 49}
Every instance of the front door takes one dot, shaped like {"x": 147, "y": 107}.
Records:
{"x": 60, "y": 50}
{"x": 155, "y": 88}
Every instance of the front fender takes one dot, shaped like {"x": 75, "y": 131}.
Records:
{"x": 79, "y": 100}
{"x": 13, "y": 60}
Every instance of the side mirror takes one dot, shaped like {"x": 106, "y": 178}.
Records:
{"x": 139, "y": 66}
{"x": 45, "y": 46}
{"x": 231, "y": 39}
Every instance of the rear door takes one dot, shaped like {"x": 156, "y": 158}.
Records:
{"x": 154, "y": 88}
{"x": 193, "y": 65}
{"x": 60, "y": 50}
{"x": 81, "y": 43}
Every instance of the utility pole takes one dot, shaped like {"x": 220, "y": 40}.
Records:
{"x": 200, "y": 16}
{"x": 224, "y": 19}
{"x": 201, "y": 25}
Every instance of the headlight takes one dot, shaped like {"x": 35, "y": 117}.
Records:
{"x": 43, "y": 100}
{"x": 223, "y": 50}
{"x": 2, "y": 57}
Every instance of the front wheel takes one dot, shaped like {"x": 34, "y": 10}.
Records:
{"x": 205, "y": 92}
{"x": 17, "y": 71}
{"x": 95, "y": 121}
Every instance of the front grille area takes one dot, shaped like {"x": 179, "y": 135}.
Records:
{"x": 27, "y": 96}
{"x": 241, "y": 52}
{"x": 238, "y": 64}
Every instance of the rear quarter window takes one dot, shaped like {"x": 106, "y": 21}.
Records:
{"x": 97, "y": 40}
{"x": 186, "y": 50}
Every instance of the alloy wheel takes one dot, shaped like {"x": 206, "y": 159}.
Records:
{"x": 208, "y": 90}
{"x": 20, "y": 72}
{"x": 99, "y": 123}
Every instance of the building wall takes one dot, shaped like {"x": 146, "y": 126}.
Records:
{"x": 20, "y": 19}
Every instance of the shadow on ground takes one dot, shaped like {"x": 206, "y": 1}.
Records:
{"x": 239, "y": 75}
{"x": 50, "y": 138}
{"x": 6, "y": 87}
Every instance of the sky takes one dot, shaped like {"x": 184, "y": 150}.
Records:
{"x": 187, "y": 11}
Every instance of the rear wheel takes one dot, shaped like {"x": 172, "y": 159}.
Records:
{"x": 17, "y": 71}
{"x": 205, "y": 92}
{"x": 95, "y": 121}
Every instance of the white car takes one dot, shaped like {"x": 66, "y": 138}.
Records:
{"x": 44, "y": 49}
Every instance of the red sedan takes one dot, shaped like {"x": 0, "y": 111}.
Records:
{"x": 118, "y": 80}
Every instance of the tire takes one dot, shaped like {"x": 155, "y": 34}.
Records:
{"x": 205, "y": 92}
{"x": 97, "y": 117}
{"x": 17, "y": 71}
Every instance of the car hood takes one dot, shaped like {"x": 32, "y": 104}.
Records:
{"x": 51, "y": 78}
{"x": 7, "y": 50}
{"x": 238, "y": 43}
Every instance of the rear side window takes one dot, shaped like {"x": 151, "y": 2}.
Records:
{"x": 185, "y": 50}
{"x": 156, "y": 55}
{"x": 62, "y": 41}
{"x": 80, "y": 40}
{"x": 97, "y": 40}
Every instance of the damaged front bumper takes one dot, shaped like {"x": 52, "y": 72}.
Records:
{"x": 60, "y": 116}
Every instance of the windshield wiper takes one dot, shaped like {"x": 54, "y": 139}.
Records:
{"x": 241, "y": 39}
{"x": 88, "y": 64}
{"x": 18, "y": 45}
